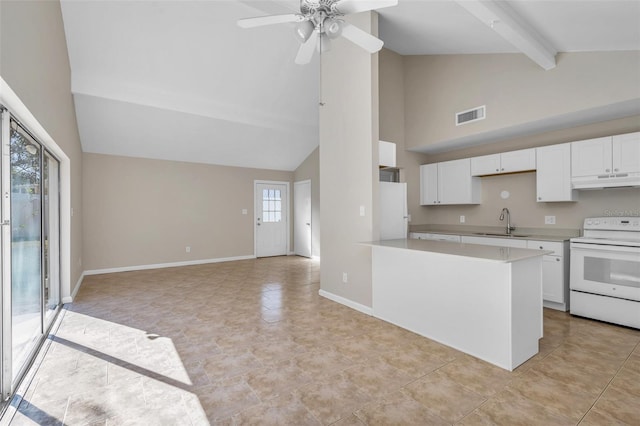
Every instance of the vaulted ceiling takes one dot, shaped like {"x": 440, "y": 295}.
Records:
{"x": 179, "y": 80}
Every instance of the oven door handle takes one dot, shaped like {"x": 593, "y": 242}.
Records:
{"x": 607, "y": 248}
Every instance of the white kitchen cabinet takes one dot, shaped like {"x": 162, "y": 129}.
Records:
{"x": 591, "y": 157}
{"x": 553, "y": 175}
{"x": 506, "y": 162}
{"x": 626, "y": 153}
{"x": 429, "y": 184}
{"x": 501, "y": 242}
{"x": 611, "y": 154}
{"x": 555, "y": 273}
{"x": 435, "y": 237}
{"x": 449, "y": 182}
{"x": 387, "y": 154}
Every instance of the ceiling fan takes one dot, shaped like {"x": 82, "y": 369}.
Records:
{"x": 319, "y": 21}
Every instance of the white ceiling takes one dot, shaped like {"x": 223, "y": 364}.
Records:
{"x": 179, "y": 80}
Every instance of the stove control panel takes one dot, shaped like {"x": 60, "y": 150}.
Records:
{"x": 613, "y": 223}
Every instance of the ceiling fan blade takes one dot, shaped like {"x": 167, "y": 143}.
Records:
{"x": 347, "y": 7}
{"x": 269, "y": 20}
{"x": 305, "y": 53}
{"x": 365, "y": 40}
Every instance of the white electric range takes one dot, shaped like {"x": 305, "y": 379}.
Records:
{"x": 605, "y": 271}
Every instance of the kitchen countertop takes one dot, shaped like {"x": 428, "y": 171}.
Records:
{"x": 478, "y": 251}
{"x": 542, "y": 234}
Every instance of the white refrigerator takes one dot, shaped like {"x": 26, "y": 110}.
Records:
{"x": 394, "y": 218}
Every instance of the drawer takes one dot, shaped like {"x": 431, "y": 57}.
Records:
{"x": 556, "y": 247}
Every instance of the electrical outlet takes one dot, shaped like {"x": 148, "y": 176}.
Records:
{"x": 462, "y": 219}
{"x": 188, "y": 249}
{"x": 549, "y": 220}
{"x": 345, "y": 277}
{"x": 244, "y": 211}
{"x": 361, "y": 210}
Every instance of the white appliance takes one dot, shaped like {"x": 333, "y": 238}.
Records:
{"x": 394, "y": 218}
{"x": 608, "y": 180}
{"x": 605, "y": 270}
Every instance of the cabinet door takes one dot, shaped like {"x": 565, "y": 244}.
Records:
{"x": 518, "y": 161}
{"x": 626, "y": 153}
{"x": 454, "y": 182}
{"x": 485, "y": 165}
{"x": 553, "y": 174}
{"x": 591, "y": 157}
{"x": 429, "y": 184}
{"x": 553, "y": 279}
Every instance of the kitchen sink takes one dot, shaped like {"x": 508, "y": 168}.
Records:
{"x": 489, "y": 234}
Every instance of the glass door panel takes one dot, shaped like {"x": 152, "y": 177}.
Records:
{"x": 26, "y": 246}
{"x": 51, "y": 248}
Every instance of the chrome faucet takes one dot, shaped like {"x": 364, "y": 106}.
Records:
{"x": 509, "y": 227}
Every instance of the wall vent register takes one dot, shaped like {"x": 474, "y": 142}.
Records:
{"x": 471, "y": 115}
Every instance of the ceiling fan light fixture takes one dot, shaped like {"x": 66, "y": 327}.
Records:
{"x": 303, "y": 30}
{"x": 333, "y": 28}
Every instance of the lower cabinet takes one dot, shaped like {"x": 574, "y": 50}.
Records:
{"x": 435, "y": 237}
{"x": 555, "y": 266}
{"x": 502, "y": 242}
{"x": 555, "y": 273}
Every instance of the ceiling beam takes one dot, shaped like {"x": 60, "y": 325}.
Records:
{"x": 509, "y": 25}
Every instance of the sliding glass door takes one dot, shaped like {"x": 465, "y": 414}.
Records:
{"x": 30, "y": 246}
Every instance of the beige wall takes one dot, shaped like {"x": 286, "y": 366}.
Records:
{"x": 348, "y": 165}
{"x": 309, "y": 169}
{"x": 145, "y": 212}
{"x": 514, "y": 89}
{"x": 35, "y": 64}
{"x": 392, "y": 113}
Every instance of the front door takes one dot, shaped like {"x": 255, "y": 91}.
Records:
{"x": 302, "y": 218}
{"x": 272, "y": 219}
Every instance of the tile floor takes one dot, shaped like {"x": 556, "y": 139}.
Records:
{"x": 251, "y": 342}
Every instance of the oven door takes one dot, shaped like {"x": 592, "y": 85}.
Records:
{"x": 607, "y": 270}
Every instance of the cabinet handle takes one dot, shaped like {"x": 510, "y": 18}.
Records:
{"x": 615, "y": 170}
{"x": 607, "y": 170}
{"x": 541, "y": 247}
{"x": 539, "y": 198}
{"x": 557, "y": 260}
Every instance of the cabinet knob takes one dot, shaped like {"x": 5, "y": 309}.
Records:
{"x": 607, "y": 170}
{"x": 502, "y": 169}
{"x": 539, "y": 198}
{"x": 497, "y": 170}
{"x": 557, "y": 260}
{"x": 615, "y": 170}
{"x": 541, "y": 247}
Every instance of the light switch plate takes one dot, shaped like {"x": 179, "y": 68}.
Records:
{"x": 244, "y": 211}
{"x": 462, "y": 219}
{"x": 549, "y": 220}
{"x": 361, "y": 210}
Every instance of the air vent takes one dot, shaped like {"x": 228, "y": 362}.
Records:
{"x": 471, "y": 115}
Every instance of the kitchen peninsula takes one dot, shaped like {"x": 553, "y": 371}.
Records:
{"x": 483, "y": 300}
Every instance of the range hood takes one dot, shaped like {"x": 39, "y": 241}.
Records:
{"x": 616, "y": 180}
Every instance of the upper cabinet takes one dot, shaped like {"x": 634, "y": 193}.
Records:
{"x": 506, "y": 162}
{"x": 606, "y": 162}
{"x": 387, "y": 154}
{"x": 553, "y": 177}
{"x": 591, "y": 157}
{"x": 449, "y": 182}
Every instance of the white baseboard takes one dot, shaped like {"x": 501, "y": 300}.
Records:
{"x": 69, "y": 299}
{"x": 346, "y": 302}
{"x": 166, "y": 265}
